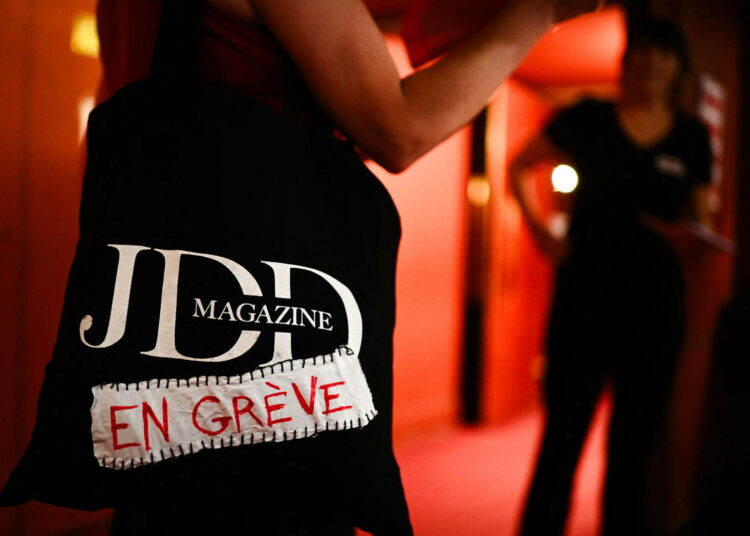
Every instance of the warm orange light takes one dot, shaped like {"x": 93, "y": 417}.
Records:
{"x": 478, "y": 191}
{"x": 84, "y": 39}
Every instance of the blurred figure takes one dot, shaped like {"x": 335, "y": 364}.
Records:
{"x": 617, "y": 313}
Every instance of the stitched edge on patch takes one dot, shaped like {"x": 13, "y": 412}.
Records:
{"x": 136, "y": 424}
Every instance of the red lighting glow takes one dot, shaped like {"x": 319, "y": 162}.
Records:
{"x": 583, "y": 51}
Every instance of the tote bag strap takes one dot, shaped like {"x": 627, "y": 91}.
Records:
{"x": 291, "y": 96}
{"x": 174, "y": 62}
{"x": 175, "y": 56}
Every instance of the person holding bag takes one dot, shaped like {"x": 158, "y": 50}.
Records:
{"x": 224, "y": 357}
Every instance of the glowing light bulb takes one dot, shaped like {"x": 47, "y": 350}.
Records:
{"x": 478, "y": 191}
{"x": 84, "y": 39}
{"x": 564, "y": 179}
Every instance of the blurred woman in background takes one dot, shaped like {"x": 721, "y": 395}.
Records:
{"x": 618, "y": 307}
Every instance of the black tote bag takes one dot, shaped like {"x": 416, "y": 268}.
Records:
{"x": 226, "y": 332}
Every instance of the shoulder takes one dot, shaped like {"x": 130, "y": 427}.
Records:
{"x": 693, "y": 143}
{"x": 691, "y": 132}
{"x": 691, "y": 125}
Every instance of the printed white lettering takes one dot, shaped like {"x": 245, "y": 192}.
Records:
{"x": 120, "y": 298}
{"x": 165, "y": 341}
{"x": 203, "y": 310}
{"x": 325, "y": 321}
{"x": 251, "y": 318}
{"x": 264, "y": 314}
{"x": 282, "y": 279}
{"x": 227, "y": 310}
{"x": 165, "y": 346}
{"x": 284, "y": 311}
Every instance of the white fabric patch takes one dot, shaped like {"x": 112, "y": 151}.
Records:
{"x": 150, "y": 421}
{"x": 671, "y": 165}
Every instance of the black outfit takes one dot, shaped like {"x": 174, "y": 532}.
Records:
{"x": 617, "y": 312}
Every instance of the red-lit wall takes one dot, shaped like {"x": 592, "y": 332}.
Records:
{"x": 431, "y": 200}
{"x": 40, "y": 165}
{"x": 519, "y": 275}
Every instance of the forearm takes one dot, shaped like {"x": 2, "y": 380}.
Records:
{"x": 442, "y": 98}
{"x": 699, "y": 208}
{"x": 349, "y": 71}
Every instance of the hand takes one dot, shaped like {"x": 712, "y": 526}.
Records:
{"x": 567, "y": 9}
{"x": 689, "y": 239}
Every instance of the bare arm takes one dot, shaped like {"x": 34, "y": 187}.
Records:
{"x": 539, "y": 150}
{"x": 342, "y": 56}
{"x": 699, "y": 209}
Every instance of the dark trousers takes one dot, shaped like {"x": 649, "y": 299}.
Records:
{"x": 164, "y": 520}
{"x": 617, "y": 316}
